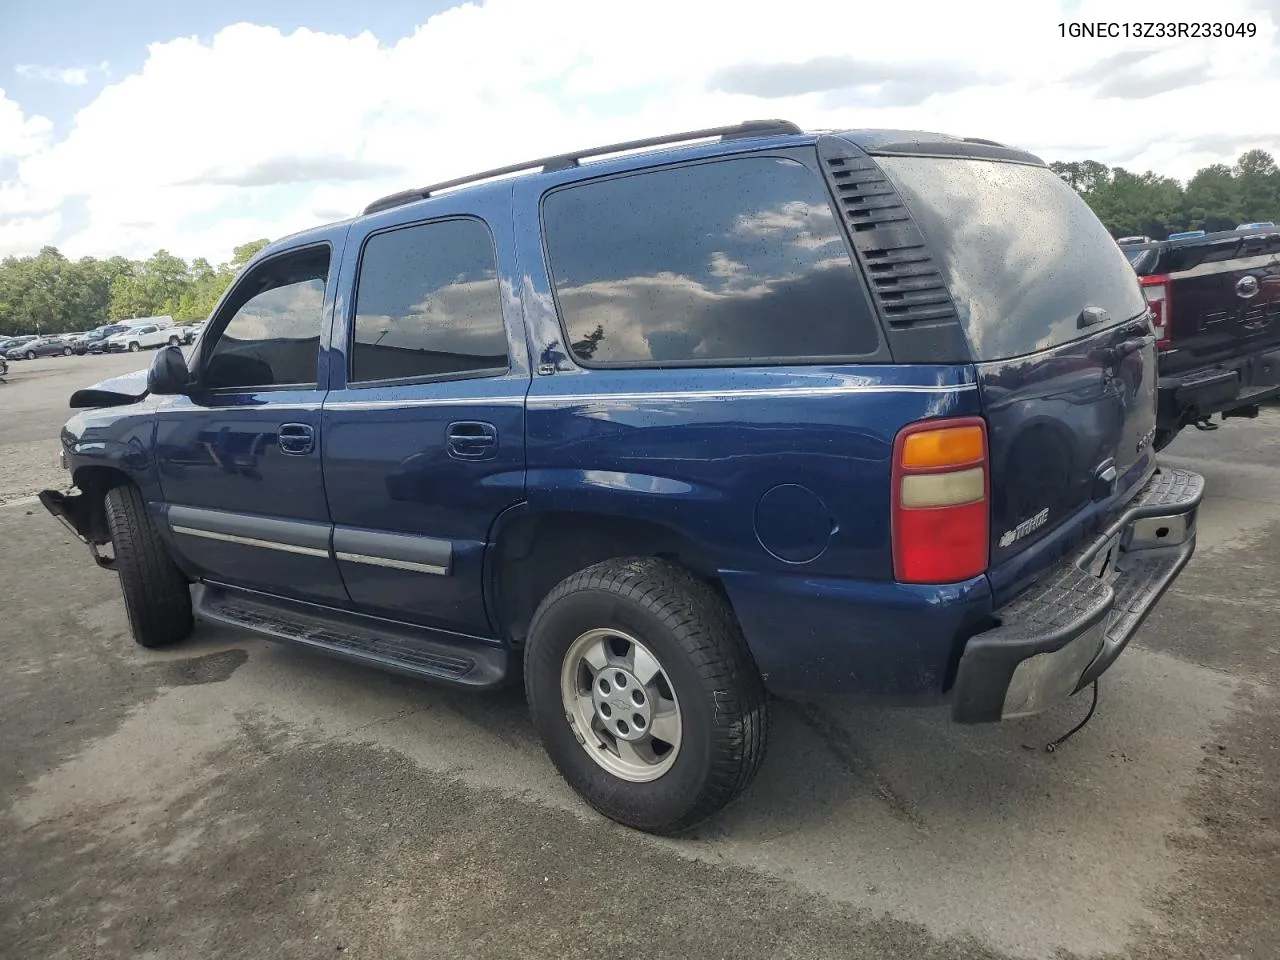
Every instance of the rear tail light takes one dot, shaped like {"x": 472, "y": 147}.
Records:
{"x": 941, "y": 488}
{"x": 1158, "y": 291}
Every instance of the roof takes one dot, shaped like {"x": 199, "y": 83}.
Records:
{"x": 710, "y": 140}
{"x": 876, "y": 142}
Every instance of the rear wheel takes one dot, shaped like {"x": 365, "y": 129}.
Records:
{"x": 644, "y": 693}
{"x": 156, "y": 596}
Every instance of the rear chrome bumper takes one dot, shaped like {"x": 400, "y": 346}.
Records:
{"x": 1062, "y": 633}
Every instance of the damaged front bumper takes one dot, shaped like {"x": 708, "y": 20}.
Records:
{"x": 73, "y": 511}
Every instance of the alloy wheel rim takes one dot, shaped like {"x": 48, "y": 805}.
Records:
{"x": 621, "y": 705}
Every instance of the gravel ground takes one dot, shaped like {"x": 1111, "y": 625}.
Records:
{"x": 233, "y": 798}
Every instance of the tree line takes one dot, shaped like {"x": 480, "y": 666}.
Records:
{"x": 1218, "y": 197}
{"x": 47, "y": 293}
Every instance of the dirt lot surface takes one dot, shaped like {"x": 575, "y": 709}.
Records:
{"x": 232, "y": 798}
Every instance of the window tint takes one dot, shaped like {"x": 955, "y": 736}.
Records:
{"x": 735, "y": 260}
{"x": 273, "y": 336}
{"x": 428, "y": 304}
{"x": 1021, "y": 252}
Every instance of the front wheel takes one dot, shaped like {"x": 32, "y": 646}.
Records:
{"x": 31, "y": 354}
{"x": 156, "y": 596}
{"x": 644, "y": 694}
{"x": 134, "y": 347}
{"x": 66, "y": 351}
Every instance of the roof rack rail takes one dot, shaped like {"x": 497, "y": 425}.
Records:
{"x": 565, "y": 161}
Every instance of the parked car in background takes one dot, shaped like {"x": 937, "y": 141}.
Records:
{"x": 1128, "y": 241}
{"x": 1215, "y": 299}
{"x": 657, "y": 487}
{"x": 192, "y": 331}
{"x": 40, "y": 347}
{"x": 142, "y": 337}
{"x": 12, "y": 342}
{"x": 1262, "y": 225}
{"x": 96, "y": 340}
{"x": 4, "y": 368}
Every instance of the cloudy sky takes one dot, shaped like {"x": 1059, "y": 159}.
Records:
{"x": 139, "y": 124}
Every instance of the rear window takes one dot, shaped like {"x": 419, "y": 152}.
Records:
{"x": 736, "y": 261}
{"x": 1021, "y": 252}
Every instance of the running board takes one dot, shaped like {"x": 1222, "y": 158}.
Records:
{"x": 386, "y": 644}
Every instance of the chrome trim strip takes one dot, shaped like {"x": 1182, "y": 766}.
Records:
{"x": 252, "y": 542}
{"x": 425, "y": 402}
{"x": 299, "y": 533}
{"x": 561, "y": 398}
{"x": 429, "y": 552}
{"x": 780, "y": 392}
{"x": 394, "y": 564}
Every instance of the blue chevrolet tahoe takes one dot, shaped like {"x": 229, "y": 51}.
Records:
{"x": 660, "y": 429}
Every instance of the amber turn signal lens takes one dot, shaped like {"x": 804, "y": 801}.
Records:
{"x": 946, "y": 447}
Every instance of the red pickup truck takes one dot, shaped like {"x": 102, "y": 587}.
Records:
{"x": 1215, "y": 301}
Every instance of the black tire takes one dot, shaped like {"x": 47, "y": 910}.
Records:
{"x": 156, "y": 595}
{"x": 134, "y": 347}
{"x": 31, "y": 354}
{"x": 693, "y": 634}
{"x": 66, "y": 351}
{"x": 173, "y": 341}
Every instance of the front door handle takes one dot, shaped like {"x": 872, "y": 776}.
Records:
{"x": 472, "y": 440}
{"x": 297, "y": 439}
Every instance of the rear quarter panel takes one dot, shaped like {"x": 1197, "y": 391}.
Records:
{"x": 784, "y": 469}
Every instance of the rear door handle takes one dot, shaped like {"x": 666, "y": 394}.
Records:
{"x": 296, "y": 439}
{"x": 472, "y": 440}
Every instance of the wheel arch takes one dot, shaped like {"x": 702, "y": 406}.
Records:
{"x": 94, "y": 481}
{"x": 532, "y": 551}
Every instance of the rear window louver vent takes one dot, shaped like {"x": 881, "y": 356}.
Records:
{"x": 907, "y": 287}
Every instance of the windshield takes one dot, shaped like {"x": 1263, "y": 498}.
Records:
{"x": 1021, "y": 252}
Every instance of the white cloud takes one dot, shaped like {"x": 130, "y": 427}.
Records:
{"x": 257, "y": 133}
{"x": 20, "y": 136}
{"x": 25, "y": 235}
{"x": 71, "y": 76}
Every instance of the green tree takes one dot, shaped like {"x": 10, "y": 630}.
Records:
{"x": 247, "y": 251}
{"x": 1258, "y": 186}
{"x": 1085, "y": 176}
{"x": 47, "y": 293}
{"x": 1145, "y": 204}
{"x": 1212, "y": 199}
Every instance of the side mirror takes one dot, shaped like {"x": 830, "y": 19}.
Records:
{"x": 168, "y": 375}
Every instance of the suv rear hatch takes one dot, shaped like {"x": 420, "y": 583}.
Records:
{"x": 1061, "y": 341}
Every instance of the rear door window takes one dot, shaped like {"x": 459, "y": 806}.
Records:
{"x": 735, "y": 261}
{"x": 428, "y": 305}
{"x": 1021, "y": 252}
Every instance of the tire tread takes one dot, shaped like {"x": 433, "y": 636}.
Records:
{"x": 705, "y": 628}
{"x": 156, "y": 596}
